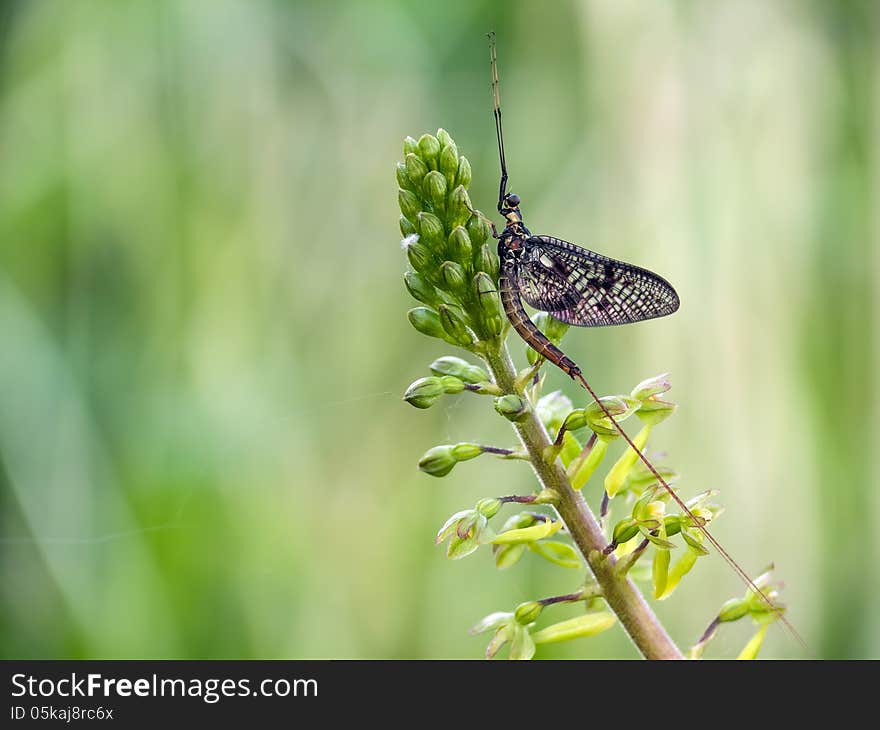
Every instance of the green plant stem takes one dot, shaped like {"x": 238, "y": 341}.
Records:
{"x": 621, "y": 594}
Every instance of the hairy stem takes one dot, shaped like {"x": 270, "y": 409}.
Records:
{"x": 621, "y": 594}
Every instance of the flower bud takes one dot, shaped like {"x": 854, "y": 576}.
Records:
{"x": 424, "y": 392}
{"x": 438, "y": 461}
{"x": 429, "y": 149}
{"x": 451, "y": 385}
{"x": 624, "y": 531}
{"x": 512, "y": 407}
{"x": 409, "y": 145}
{"x": 443, "y": 137}
{"x": 431, "y": 231}
{"x": 487, "y": 260}
{"x": 420, "y": 289}
{"x": 417, "y": 253}
{"x": 733, "y": 610}
{"x": 458, "y": 368}
{"x": 409, "y": 203}
{"x": 459, "y": 208}
{"x": 415, "y": 170}
{"x": 487, "y": 295}
{"x": 459, "y": 246}
{"x": 453, "y": 277}
{"x": 403, "y": 180}
{"x": 454, "y": 325}
{"x": 489, "y": 507}
{"x": 528, "y": 612}
{"x": 466, "y": 451}
{"x": 435, "y": 188}
{"x": 576, "y": 420}
{"x": 426, "y": 321}
{"x": 672, "y": 525}
{"x": 463, "y": 177}
{"x": 478, "y": 230}
{"x": 406, "y": 227}
{"x": 449, "y": 162}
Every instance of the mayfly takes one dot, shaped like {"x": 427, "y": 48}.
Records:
{"x": 582, "y": 288}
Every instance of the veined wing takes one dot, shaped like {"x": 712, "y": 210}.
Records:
{"x": 584, "y": 288}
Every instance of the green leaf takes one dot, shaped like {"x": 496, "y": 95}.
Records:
{"x": 621, "y": 469}
{"x": 589, "y": 624}
{"x": 660, "y": 571}
{"x": 751, "y": 649}
{"x": 581, "y": 469}
{"x": 558, "y": 553}
{"x": 680, "y": 568}
{"x": 528, "y": 534}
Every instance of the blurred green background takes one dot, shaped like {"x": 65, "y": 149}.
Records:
{"x": 203, "y": 340}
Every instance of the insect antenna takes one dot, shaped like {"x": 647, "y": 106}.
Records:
{"x": 496, "y": 110}
{"x": 699, "y": 522}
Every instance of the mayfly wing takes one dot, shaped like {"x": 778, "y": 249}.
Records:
{"x": 586, "y": 289}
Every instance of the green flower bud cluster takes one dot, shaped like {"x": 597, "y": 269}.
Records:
{"x": 453, "y": 276}
{"x": 449, "y": 246}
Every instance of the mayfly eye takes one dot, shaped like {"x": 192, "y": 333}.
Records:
{"x": 513, "y": 200}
